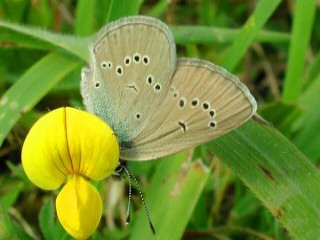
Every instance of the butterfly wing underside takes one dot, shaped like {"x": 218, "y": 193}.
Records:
{"x": 132, "y": 61}
{"x": 204, "y": 101}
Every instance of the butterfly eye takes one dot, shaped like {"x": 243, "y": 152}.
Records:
{"x": 206, "y": 105}
{"x": 182, "y": 102}
{"x": 127, "y": 61}
{"x": 212, "y": 113}
{"x": 195, "y": 102}
{"x": 136, "y": 57}
{"x": 119, "y": 71}
{"x": 212, "y": 125}
{"x": 146, "y": 59}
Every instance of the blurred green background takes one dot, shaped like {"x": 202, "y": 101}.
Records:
{"x": 258, "y": 182}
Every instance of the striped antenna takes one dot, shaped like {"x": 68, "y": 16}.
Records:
{"x": 128, "y": 175}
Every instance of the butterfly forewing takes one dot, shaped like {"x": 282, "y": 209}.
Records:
{"x": 132, "y": 61}
{"x": 204, "y": 102}
{"x": 86, "y": 88}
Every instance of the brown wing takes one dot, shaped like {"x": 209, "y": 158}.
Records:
{"x": 204, "y": 102}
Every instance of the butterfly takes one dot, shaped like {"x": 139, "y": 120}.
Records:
{"x": 156, "y": 103}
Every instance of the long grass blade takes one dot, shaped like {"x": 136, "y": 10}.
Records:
{"x": 302, "y": 25}
{"x": 31, "y": 87}
{"x": 85, "y": 16}
{"x": 277, "y": 172}
{"x": 71, "y": 44}
{"x": 242, "y": 41}
{"x": 173, "y": 193}
{"x": 209, "y": 35}
{"x": 121, "y": 8}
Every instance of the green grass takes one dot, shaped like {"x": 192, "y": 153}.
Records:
{"x": 242, "y": 41}
{"x": 31, "y": 87}
{"x": 301, "y": 33}
{"x": 252, "y": 183}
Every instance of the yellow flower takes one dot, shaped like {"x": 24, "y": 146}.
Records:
{"x": 68, "y": 146}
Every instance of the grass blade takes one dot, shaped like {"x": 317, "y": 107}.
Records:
{"x": 313, "y": 71}
{"x": 85, "y": 12}
{"x": 208, "y": 35}
{"x": 71, "y": 44}
{"x": 277, "y": 172}
{"x": 122, "y": 8}
{"x": 302, "y": 25}
{"x": 31, "y": 87}
{"x": 307, "y": 137}
{"x": 242, "y": 41}
{"x": 158, "y": 9}
{"x": 173, "y": 193}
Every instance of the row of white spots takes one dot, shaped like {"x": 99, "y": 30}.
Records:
{"x": 136, "y": 58}
{"x": 193, "y": 104}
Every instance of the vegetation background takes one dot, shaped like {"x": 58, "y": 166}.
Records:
{"x": 258, "y": 182}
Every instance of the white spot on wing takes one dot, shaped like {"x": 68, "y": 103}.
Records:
{"x": 127, "y": 61}
{"x": 137, "y": 58}
{"x": 145, "y": 59}
{"x": 150, "y": 79}
{"x": 119, "y": 70}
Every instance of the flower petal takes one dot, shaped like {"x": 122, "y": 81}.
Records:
{"x": 45, "y": 157}
{"x": 93, "y": 145}
{"x": 69, "y": 141}
{"x": 79, "y": 207}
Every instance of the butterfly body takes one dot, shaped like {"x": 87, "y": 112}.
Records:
{"x": 158, "y": 104}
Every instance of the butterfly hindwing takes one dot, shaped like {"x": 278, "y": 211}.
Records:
{"x": 204, "y": 102}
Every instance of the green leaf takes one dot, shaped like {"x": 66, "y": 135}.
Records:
{"x": 85, "y": 15}
{"x": 8, "y": 228}
{"x": 277, "y": 173}
{"x": 38, "y": 38}
{"x": 11, "y": 195}
{"x": 207, "y": 35}
{"x": 50, "y": 227}
{"x": 47, "y": 220}
{"x": 307, "y": 135}
{"x": 172, "y": 196}
{"x": 253, "y": 25}
{"x": 302, "y": 25}
{"x": 158, "y": 9}
{"x": 14, "y": 10}
{"x": 31, "y": 87}
{"x": 122, "y": 8}
{"x": 41, "y": 14}
{"x": 313, "y": 71}
{"x": 18, "y": 171}
{"x": 281, "y": 115}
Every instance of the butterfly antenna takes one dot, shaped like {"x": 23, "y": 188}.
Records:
{"x": 130, "y": 175}
{"x": 129, "y": 194}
